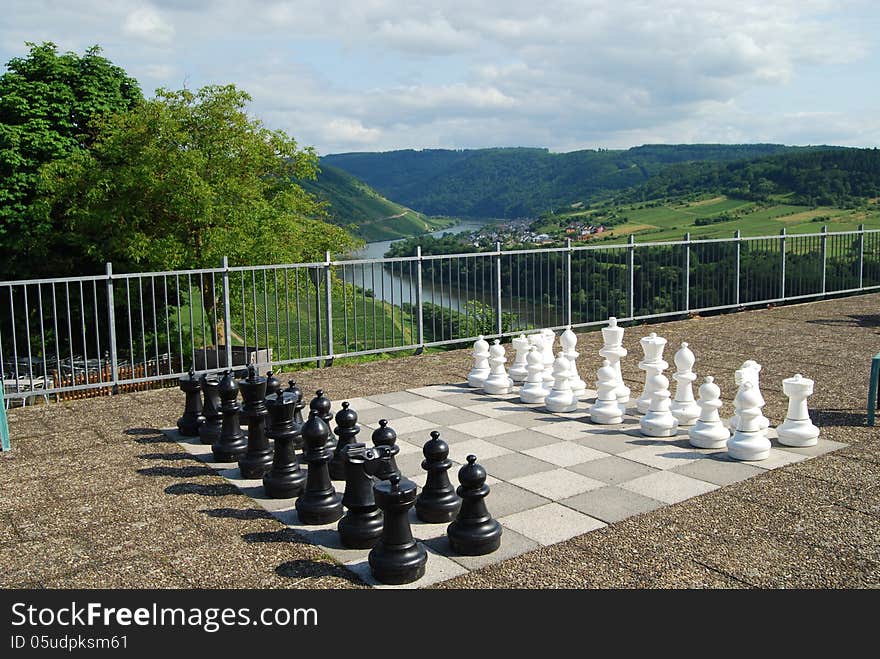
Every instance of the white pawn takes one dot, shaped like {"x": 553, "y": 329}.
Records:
{"x": 605, "y": 410}
{"x": 568, "y": 340}
{"x": 684, "y": 408}
{"x": 658, "y": 420}
{"x": 748, "y": 442}
{"x": 613, "y": 351}
{"x": 709, "y": 430}
{"x": 652, "y": 347}
{"x": 548, "y": 340}
{"x": 533, "y": 389}
{"x": 518, "y": 369}
{"x": 797, "y": 429}
{"x": 560, "y": 398}
{"x": 480, "y": 371}
{"x": 497, "y": 384}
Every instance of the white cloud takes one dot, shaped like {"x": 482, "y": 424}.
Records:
{"x": 146, "y": 23}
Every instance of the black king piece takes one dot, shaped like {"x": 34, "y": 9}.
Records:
{"x": 232, "y": 445}
{"x": 192, "y": 418}
{"x": 285, "y": 480}
{"x": 258, "y": 459}
{"x": 319, "y": 503}
{"x": 397, "y": 558}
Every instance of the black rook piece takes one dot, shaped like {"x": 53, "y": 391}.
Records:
{"x": 192, "y": 417}
{"x": 474, "y": 532}
{"x": 397, "y": 558}
{"x": 285, "y": 479}
{"x": 232, "y": 444}
{"x": 258, "y": 458}
{"x": 319, "y": 503}
{"x": 321, "y": 404}
{"x": 273, "y": 386}
{"x": 346, "y": 430}
{"x": 362, "y": 525}
{"x": 297, "y": 392}
{"x": 437, "y": 502}
{"x": 209, "y": 431}
{"x": 383, "y": 436}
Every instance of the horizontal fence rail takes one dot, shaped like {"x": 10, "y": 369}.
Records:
{"x": 87, "y": 336}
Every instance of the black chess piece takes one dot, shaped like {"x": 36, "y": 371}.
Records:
{"x": 346, "y": 431}
{"x": 258, "y": 458}
{"x": 209, "y": 431}
{"x": 437, "y": 502}
{"x": 361, "y": 526}
{"x": 321, "y": 404}
{"x": 474, "y": 532}
{"x": 384, "y": 436}
{"x": 285, "y": 479}
{"x": 273, "y": 386}
{"x": 296, "y": 391}
{"x": 319, "y": 503}
{"x": 192, "y": 418}
{"x": 397, "y": 558}
{"x": 232, "y": 444}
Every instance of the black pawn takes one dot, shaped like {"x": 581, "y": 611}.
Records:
{"x": 232, "y": 444}
{"x": 437, "y": 502}
{"x": 321, "y": 404}
{"x": 319, "y": 503}
{"x": 273, "y": 386}
{"x": 297, "y": 392}
{"x": 384, "y": 438}
{"x": 258, "y": 458}
{"x": 192, "y": 418}
{"x": 362, "y": 525}
{"x": 209, "y": 431}
{"x": 346, "y": 431}
{"x": 285, "y": 480}
{"x": 474, "y": 532}
{"x": 397, "y": 558}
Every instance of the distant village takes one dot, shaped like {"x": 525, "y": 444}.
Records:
{"x": 520, "y": 231}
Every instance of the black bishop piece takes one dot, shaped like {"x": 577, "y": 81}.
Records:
{"x": 258, "y": 458}
{"x": 209, "y": 431}
{"x": 297, "y": 415}
{"x": 384, "y": 439}
{"x": 232, "y": 444}
{"x": 474, "y": 532}
{"x": 285, "y": 479}
{"x": 437, "y": 502}
{"x": 319, "y": 503}
{"x": 397, "y": 558}
{"x": 192, "y": 418}
{"x": 346, "y": 431}
{"x": 273, "y": 386}
{"x": 361, "y": 526}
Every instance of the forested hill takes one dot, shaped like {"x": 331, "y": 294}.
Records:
{"x": 517, "y": 182}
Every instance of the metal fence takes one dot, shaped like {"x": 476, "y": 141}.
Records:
{"x": 84, "y": 336}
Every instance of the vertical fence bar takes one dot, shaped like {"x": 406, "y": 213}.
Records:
{"x": 737, "y": 236}
{"x": 111, "y": 326}
{"x": 824, "y": 251}
{"x": 861, "y": 255}
{"x": 420, "y": 327}
{"x": 227, "y": 314}
{"x": 687, "y": 272}
{"x": 498, "y": 326}
{"x": 782, "y": 268}
{"x": 328, "y": 289}
{"x": 631, "y": 267}
{"x": 568, "y": 320}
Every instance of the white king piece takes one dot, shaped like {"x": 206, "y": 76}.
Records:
{"x": 568, "y": 341}
{"x": 797, "y": 429}
{"x": 614, "y": 351}
{"x": 477, "y": 377}
{"x": 652, "y": 347}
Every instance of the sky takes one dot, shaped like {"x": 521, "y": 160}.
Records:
{"x": 377, "y": 75}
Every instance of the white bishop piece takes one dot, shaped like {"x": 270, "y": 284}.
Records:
{"x": 652, "y": 347}
{"x": 497, "y": 384}
{"x": 568, "y": 340}
{"x": 560, "y": 398}
{"x": 480, "y": 371}
{"x": 658, "y": 420}
{"x": 709, "y": 430}
{"x": 750, "y": 371}
{"x": 548, "y": 340}
{"x": 533, "y": 390}
{"x": 518, "y": 369}
{"x": 797, "y": 429}
{"x": 684, "y": 408}
{"x": 613, "y": 351}
{"x": 749, "y": 442}
{"x": 606, "y": 410}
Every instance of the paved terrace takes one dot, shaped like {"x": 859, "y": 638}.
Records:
{"x": 93, "y": 495}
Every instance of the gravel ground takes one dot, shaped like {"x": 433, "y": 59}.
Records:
{"x": 93, "y": 496}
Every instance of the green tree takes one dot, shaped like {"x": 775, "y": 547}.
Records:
{"x": 50, "y": 106}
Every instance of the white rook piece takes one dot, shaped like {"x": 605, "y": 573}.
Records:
{"x": 548, "y": 341}
{"x": 797, "y": 429}
{"x": 606, "y": 410}
{"x": 519, "y": 367}
{"x": 497, "y": 383}
{"x": 613, "y": 351}
{"x": 749, "y": 442}
{"x": 560, "y": 398}
{"x": 652, "y": 347}
{"x": 709, "y": 430}
{"x": 480, "y": 371}
{"x": 533, "y": 389}
{"x": 658, "y": 420}
{"x": 684, "y": 408}
{"x": 568, "y": 340}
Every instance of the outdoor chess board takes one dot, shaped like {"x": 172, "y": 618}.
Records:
{"x": 552, "y": 476}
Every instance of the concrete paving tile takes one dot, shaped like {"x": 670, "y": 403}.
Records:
{"x": 522, "y": 440}
{"x": 513, "y": 465}
{"x": 779, "y": 458}
{"x": 551, "y": 523}
{"x": 485, "y": 428}
{"x": 612, "y": 469}
{"x": 611, "y": 504}
{"x": 532, "y": 415}
{"x": 613, "y": 444}
{"x": 439, "y": 390}
{"x": 569, "y": 430}
{"x": 419, "y": 438}
{"x": 824, "y": 446}
{"x": 506, "y": 498}
{"x": 328, "y": 540}
{"x": 448, "y": 418}
{"x": 719, "y": 472}
{"x": 668, "y": 486}
{"x": 424, "y": 406}
{"x": 394, "y": 398}
{"x": 370, "y": 417}
{"x": 438, "y": 568}
{"x": 557, "y": 484}
{"x": 663, "y": 456}
{"x": 360, "y": 404}
{"x": 496, "y": 408}
{"x": 410, "y": 464}
{"x": 405, "y": 425}
{"x": 482, "y": 449}
{"x": 512, "y": 544}
{"x": 565, "y": 454}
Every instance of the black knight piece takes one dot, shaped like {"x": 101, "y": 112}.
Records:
{"x": 319, "y": 503}
{"x": 258, "y": 458}
{"x": 285, "y": 480}
{"x": 232, "y": 444}
{"x": 361, "y": 526}
{"x": 385, "y": 437}
{"x": 397, "y": 558}
{"x": 192, "y": 418}
{"x": 346, "y": 431}
{"x": 437, "y": 502}
{"x": 209, "y": 431}
{"x": 474, "y": 532}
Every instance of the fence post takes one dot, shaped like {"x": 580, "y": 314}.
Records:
{"x": 227, "y": 314}
{"x": 824, "y": 246}
{"x": 111, "y": 325}
{"x": 782, "y": 250}
{"x": 861, "y": 255}
{"x": 420, "y": 317}
{"x": 687, "y": 271}
{"x": 498, "y": 327}
{"x": 630, "y": 267}
{"x": 329, "y": 300}
{"x": 737, "y": 237}
{"x": 568, "y": 282}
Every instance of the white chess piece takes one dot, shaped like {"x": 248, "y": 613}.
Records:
{"x": 652, "y": 347}
{"x": 560, "y": 398}
{"x": 684, "y": 408}
{"x": 533, "y": 390}
{"x": 548, "y": 342}
{"x": 750, "y": 371}
{"x": 519, "y": 368}
{"x": 797, "y": 429}
{"x": 480, "y": 371}
{"x": 497, "y": 384}
{"x": 606, "y": 410}
{"x": 748, "y": 442}
{"x": 568, "y": 341}
{"x": 658, "y": 420}
{"x": 709, "y": 430}
{"x": 613, "y": 351}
